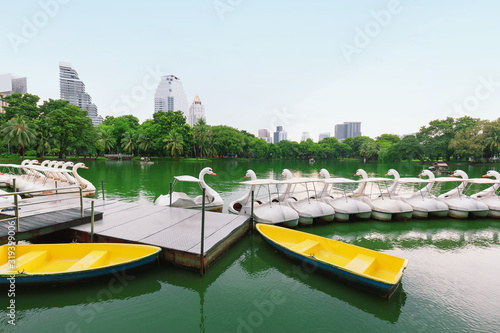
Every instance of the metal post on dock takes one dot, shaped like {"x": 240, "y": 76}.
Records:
{"x": 170, "y": 194}
{"x": 55, "y": 183}
{"x": 102, "y": 186}
{"x": 202, "y": 255}
{"x": 81, "y": 202}
{"x": 16, "y": 203}
{"x": 92, "y": 221}
{"x": 251, "y": 211}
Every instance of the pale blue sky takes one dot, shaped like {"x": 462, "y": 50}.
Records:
{"x": 306, "y": 65}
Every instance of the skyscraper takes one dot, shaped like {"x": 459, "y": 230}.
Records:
{"x": 265, "y": 134}
{"x": 10, "y": 85}
{"x": 279, "y": 135}
{"x": 305, "y": 136}
{"x": 73, "y": 90}
{"x": 323, "y": 135}
{"x": 196, "y": 112}
{"x": 347, "y": 129}
{"x": 170, "y": 95}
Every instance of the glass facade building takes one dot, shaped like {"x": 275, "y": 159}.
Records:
{"x": 72, "y": 89}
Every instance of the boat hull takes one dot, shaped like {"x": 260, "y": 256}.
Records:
{"x": 376, "y": 287}
{"x": 40, "y": 274}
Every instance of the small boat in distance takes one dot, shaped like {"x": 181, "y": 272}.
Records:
{"x": 213, "y": 201}
{"x": 440, "y": 168}
{"x": 61, "y": 263}
{"x": 373, "y": 271}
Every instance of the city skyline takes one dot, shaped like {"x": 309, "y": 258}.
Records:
{"x": 393, "y": 65}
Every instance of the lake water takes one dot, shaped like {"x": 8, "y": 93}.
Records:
{"x": 451, "y": 283}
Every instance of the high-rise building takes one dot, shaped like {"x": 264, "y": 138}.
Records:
{"x": 279, "y": 135}
{"x": 323, "y": 135}
{"x": 10, "y": 85}
{"x": 73, "y": 90}
{"x": 265, "y": 134}
{"x": 347, "y": 130}
{"x": 196, "y": 112}
{"x": 170, "y": 95}
{"x": 305, "y": 136}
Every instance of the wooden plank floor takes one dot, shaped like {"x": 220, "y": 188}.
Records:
{"x": 34, "y": 225}
{"x": 175, "y": 230}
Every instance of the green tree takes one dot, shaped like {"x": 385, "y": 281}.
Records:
{"x": 21, "y": 106}
{"x": 129, "y": 142}
{"x": 145, "y": 143}
{"x": 174, "y": 143}
{"x": 18, "y": 131}
{"x": 105, "y": 139}
{"x": 68, "y": 125}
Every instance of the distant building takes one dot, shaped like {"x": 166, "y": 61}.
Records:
{"x": 170, "y": 95}
{"x": 347, "y": 130}
{"x": 72, "y": 89}
{"x": 196, "y": 112}
{"x": 10, "y": 85}
{"x": 265, "y": 134}
{"x": 402, "y": 136}
{"x": 279, "y": 135}
{"x": 305, "y": 136}
{"x": 323, "y": 135}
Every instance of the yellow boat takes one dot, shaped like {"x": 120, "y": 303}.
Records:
{"x": 370, "y": 270}
{"x": 58, "y": 263}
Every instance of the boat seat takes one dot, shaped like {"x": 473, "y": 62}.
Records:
{"x": 360, "y": 263}
{"x": 93, "y": 259}
{"x": 28, "y": 261}
{"x": 308, "y": 246}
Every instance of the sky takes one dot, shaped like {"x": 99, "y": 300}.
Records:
{"x": 305, "y": 65}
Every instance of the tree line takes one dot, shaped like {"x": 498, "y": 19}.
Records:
{"x": 59, "y": 128}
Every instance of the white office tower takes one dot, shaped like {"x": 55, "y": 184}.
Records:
{"x": 73, "y": 91}
{"x": 305, "y": 136}
{"x": 265, "y": 134}
{"x": 196, "y": 112}
{"x": 170, "y": 95}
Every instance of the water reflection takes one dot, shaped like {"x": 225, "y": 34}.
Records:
{"x": 264, "y": 258}
{"x": 443, "y": 234}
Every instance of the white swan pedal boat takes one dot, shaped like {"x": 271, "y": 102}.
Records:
{"x": 213, "y": 201}
{"x": 489, "y": 196}
{"x": 268, "y": 212}
{"x": 308, "y": 208}
{"x": 461, "y": 206}
{"x": 346, "y": 207}
{"x": 423, "y": 203}
{"x": 384, "y": 207}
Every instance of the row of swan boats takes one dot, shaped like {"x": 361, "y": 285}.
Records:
{"x": 301, "y": 200}
{"x": 47, "y": 177}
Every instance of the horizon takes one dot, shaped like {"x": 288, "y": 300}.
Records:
{"x": 392, "y": 65}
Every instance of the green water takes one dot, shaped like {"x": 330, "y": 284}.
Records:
{"x": 451, "y": 283}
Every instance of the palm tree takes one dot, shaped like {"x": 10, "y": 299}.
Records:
{"x": 18, "y": 131}
{"x": 129, "y": 142}
{"x": 201, "y": 131}
{"x": 106, "y": 139}
{"x": 174, "y": 143}
{"x": 145, "y": 143}
{"x": 493, "y": 138}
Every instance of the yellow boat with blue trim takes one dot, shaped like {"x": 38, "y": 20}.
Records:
{"x": 60, "y": 263}
{"x": 376, "y": 272}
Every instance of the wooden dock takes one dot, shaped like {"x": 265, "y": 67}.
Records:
{"x": 37, "y": 218}
{"x": 177, "y": 231}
